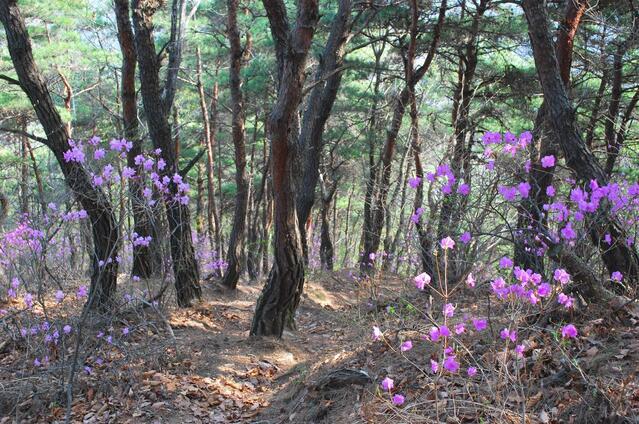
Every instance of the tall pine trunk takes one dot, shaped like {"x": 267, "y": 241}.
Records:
{"x": 619, "y": 256}
{"x": 104, "y": 229}
{"x": 157, "y": 106}
{"x": 236, "y": 239}
{"x": 280, "y": 297}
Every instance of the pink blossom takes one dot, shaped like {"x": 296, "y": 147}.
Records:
{"x": 407, "y": 345}
{"x": 377, "y": 333}
{"x": 460, "y": 328}
{"x": 470, "y": 280}
{"x": 99, "y": 154}
{"x": 66, "y": 329}
{"x": 28, "y": 300}
{"x": 480, "y": 324}
{"x": 616, "y": 276}
{"x": 471, "y": 371}
{"x": 398, "y": 399}
{"x": 465, "y": 238}
{"x": 505, "y": 262}
{"x": 561, "y": 276}
{"x": 506, "y": 334}
{"x": 550, "y": 191}
{"x": 388, "y": 384}
{"x": 524, "y": 189}
{"x": 508, "y": 193}
{"x": 451, "y": 364}
{"x": 449, "y": 310}
{"x": 463, "y": 189}
{"x": 414, "y": 182}
{"x": 447, "y": 243}
{"x": 565, "y": 300}
{"x": 548, "y": 161}
{"x": 544, "y": 290}
{"x": 569, "y": 331}
{"x": 422, "y": 280}
{"x": 434, "y": 366}
{"x": 82, "y": 292}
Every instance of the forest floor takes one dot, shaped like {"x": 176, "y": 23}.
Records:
{"x": 212, "y": 372}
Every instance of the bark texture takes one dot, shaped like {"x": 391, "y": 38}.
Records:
{"x": 106, "y": 242}
{"x": 145, "y": 262}
{"x": 618, "y": 256}
{"x": 281, "y": 295}
{"x": 157, "y": 106}
{"x": 236, "y": 239}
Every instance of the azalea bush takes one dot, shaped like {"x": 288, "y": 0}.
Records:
{"x": 484, "y": 326}
{"x": 44, "y": 263}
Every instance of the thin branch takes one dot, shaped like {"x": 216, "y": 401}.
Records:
{"x": 192, "y": 163}
{"x": 25, "y": 134}
{"x": 10, "y": 80}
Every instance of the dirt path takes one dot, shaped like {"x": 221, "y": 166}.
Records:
{"x": 218, "y": 374}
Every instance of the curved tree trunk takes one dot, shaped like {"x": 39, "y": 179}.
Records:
{"x": 531, "y": 217}
{"x": 157, "y": 107}
{"x": 277, "y": 304}
{"x": 145, "y": 263}
{"x": 619, "y": 256}
{"x": 106, "y": 242}
{"x": 236, "y": 240}
{"x": 328, "y": 79}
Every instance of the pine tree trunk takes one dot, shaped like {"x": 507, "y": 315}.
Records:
{"x": 106, "y": 242}
{"x": 619, "y": 256}
{"x": 278, "y": 302}
{"x": 157, "y": 108}
{"x": 236, "y": 239}
{"x": 145, "y": 262}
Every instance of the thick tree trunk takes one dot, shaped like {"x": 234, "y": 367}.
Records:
{"x": 104, "y": 228}
{"x": 145, "y": 263}
{"x": 281, "y": 295}
{"x": 531, "y": 217}
{"x": 236, "y": 239}
{"x": 157, "y": 108}
{"x": 619, "y": 256}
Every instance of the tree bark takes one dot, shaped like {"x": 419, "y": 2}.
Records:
{"x": 450, "y": 211}
{"x": 423, "y": 233}
{"x": 619, "y": 256}
{"x": 328, "y": 79}
{"x": 145, "y": 263}
{"x": 327, "y": 253}
{"x": 236, "y": 239}
{"x": 277, "y": 304}
{"x": 531, "y": 217}
{"x": 157, "y": 108}
{"x": 106, "y": 242}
